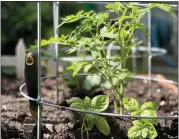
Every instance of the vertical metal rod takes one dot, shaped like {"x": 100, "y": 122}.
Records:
{"x": 0, "y": 68}
{"x": 149, "y": 52}
{"x": 55, "y": 16}
{"x": 178, "y": 56}
{"x": 134, "y": 60}
{"x": 39, "y": 68}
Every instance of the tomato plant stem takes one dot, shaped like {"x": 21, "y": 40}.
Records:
{"x": 121, "y": 97}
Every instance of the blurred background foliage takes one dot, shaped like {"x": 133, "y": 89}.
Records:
{"x": 19, "y": 20}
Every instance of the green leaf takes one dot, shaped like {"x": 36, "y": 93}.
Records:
{"x": 137, "y": 123}
{"x": 87, "y": 100}
{"x": 149, "y": 106}
{"x": 135, "y": 113}
{"x": 102, "y": 125}
{"x": 78, "y": 105}
{"x": 144, "y": 133}
{"x": 114, "y": 7}
{"x": 104, "y": 32}
{"x": 122, "y": 75}
{"x": 141, "y": 131}
{"x": 149, "y": 113}
{"x": 115, "y": 80}
{"x": 124, "y": 33}
{"x": 101, "y": 18}
{"x": 95, "y": 54}
{"x": 71, "y": 18}
{"x": 142, "y": 27}
{"x": 152, "y": 133}
{"x": 89, "y": 122}
{"x": 74, "y": 99}
{"x": 71, "y": 50}
{"x": 88, "y": 67}
{"x": 164, "y": 7}
{"x": 76, "y": 67}
{"x": 131, "y": 104}
{"x": 134, "y": 132}
{"x": 100, "y": 102}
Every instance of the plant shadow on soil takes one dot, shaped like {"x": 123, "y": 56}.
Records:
{"x": 15, "y": 112}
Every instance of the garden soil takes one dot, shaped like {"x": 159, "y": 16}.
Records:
{"x": 65, "y": 124}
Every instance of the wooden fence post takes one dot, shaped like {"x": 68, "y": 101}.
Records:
{"x": 20, "y": 58}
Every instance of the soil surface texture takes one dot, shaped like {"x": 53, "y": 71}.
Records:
{"x": 65, "y": 124}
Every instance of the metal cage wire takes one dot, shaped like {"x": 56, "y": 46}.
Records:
{"x": 55, "y": 23}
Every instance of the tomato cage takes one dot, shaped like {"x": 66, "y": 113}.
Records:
{"x": 150, "y": 53}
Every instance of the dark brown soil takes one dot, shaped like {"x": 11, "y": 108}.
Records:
{"x": 15, "y": 112}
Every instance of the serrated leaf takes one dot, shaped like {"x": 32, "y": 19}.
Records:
{"x": 102, "y": 125}
{"x": 71, "y": 18}
{"x": 122, "y": 75}
{"x": 76, "y": 67}
{"x": 131, "y": 104}
{"x": 100, "y": 102}
{"x": 142, "y": 27}
{"x": 114, "y": 7}
{"x": 164, "y": 7}
{"x": 104, "y": 32}
{"x": 88, "y": 67}
{"x": 149, "y": 106}
{"x": 100, "y": 18}
{"x": 71, "y": 50}
{"x": 149, "y": 113}
{"x": 124, "y": 33}
{"x": 74, "y": 99}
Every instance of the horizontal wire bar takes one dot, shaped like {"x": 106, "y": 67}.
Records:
{"x": 90, "y": 112}
{"x": 155, "y": 52}
{"x": 140, "y": 4}
{"x": 135, "y": 77}
{"x": 109, "y": 114}
{"x": 90, "y": 58}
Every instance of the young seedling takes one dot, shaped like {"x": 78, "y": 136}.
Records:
{"x": 97, "y": 30}
{"x": 143, "y": 128}
{"x": 97, "y": 104}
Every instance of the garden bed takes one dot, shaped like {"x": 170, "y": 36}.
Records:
{"x": 15, "y": 112}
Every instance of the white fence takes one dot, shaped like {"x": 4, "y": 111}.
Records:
{"x": 17, "y": 60}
